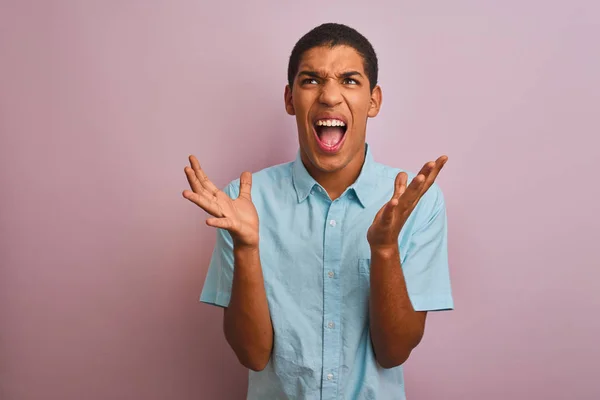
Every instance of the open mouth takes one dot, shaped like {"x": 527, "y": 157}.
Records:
{"x": 330, "y": 134}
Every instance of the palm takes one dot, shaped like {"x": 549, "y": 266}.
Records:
{"x": 240, "y": 212}
{"x": 238, "y": 216}
{"x": 382, "y": 232}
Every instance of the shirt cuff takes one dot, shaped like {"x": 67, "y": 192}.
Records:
{"x": 220, "y": 299}
{"x": 428, "y": 303}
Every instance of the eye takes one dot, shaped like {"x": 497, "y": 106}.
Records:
{"x": 350, "y": 81}
{"x": 310, "y": 81}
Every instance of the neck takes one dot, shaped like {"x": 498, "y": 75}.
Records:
{"x": 336, "y": 182}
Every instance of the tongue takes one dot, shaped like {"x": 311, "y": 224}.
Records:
{"x": 331, "y": 135}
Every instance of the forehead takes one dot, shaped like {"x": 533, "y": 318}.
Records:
{"x": 332, "y": 59}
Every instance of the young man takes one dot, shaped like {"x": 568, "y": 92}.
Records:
{"x": 326, "y": 266}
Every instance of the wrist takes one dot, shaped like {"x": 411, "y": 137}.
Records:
{"x": 385, "y": 252}
{"x": 245, "y": 248}
{"x": 246, "y": 243}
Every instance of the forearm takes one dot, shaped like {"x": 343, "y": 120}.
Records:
{"x": 247, "y": 322}
{"x": 396, "y": 329}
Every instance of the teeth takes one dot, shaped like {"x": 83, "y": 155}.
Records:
{"x": 330, "y": 122}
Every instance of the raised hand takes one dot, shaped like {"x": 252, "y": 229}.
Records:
{"x": 387, "y": 224}
{"x": 238, "y": 216}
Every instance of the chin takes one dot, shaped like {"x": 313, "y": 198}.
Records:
{"x": 328, "y": 162}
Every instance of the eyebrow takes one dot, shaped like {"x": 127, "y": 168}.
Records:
{"x": 314, "y": 74}
{"x": 350, "y": 74}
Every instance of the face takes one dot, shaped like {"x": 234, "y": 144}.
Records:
{"x": 332, "y": 100}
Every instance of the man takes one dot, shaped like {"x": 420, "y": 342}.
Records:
{"x": 326, "y": 266}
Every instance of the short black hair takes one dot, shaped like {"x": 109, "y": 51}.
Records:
{"x": 332, "y": 34}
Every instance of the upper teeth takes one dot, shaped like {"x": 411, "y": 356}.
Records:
{"x": 330, "y": 122}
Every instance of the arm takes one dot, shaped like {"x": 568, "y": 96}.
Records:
{"x": 396, "y": 328}
{"x": 247, "y": 322}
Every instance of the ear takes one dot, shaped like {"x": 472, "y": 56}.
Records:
{"x": 287, "y": 97}
{"x": 376, "y": 98}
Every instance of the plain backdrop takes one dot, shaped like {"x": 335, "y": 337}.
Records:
{"x": 102, "y": 260}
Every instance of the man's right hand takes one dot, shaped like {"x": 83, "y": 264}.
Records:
{"x": 238, "y": 216}
{"x": 247, "y": 324}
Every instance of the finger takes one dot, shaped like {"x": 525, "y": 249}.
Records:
{"x": 433, "y": 173}
{"x": 439, "y": 164}
{"x": 413, "y": 191}
{"x": 202, "y": 178}
{"x": 400, "y": 185}
{"x": 193, "y": 180}
{"x": 223, "y": 223}
{"x": 429, "y": 172}
{"x": 415, "y": 185}
{"x": 196, "y": 185}
{"x": 204, "y": 202}
{"x": 427, "y": 168}
{"x": 246, "y": 185}
{"x": 387, "y": 214}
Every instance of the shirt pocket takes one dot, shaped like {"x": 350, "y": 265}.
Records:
{"x": 364, "y": 266}
{"x": 364, "y": 281}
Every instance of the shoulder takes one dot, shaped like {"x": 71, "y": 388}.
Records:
{"x": 269, "y": 179}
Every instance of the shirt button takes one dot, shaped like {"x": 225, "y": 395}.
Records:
{"x": 331, "y": 325}
{"x": 329, "y": 377}
{"x": 330, "y": 274}
{"x": 332, "y": 222}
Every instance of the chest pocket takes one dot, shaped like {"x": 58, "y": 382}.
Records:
{"x": 364, "y": 266}
{"x": 355, "y": 286}
{"x": 364, "y": 274}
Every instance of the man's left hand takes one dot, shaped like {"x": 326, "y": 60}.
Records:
{"x": 384, "y": 231}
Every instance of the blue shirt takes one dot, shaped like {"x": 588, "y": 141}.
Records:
{"x": 316, "y": 261}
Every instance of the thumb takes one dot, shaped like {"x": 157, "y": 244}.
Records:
{"x": 400, "y": 185}
{"x": 246, "y": 184}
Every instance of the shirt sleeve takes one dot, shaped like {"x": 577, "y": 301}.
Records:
{"x": 425, "y": 266}
{"x": 217, "y": 285}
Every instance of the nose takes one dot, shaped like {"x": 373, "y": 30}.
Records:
{"x": 330, "y": 94}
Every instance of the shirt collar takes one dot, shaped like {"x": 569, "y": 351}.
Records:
{"x": 362, "y": 187}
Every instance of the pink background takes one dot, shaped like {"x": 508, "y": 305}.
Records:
{"x": 102, "y": 260}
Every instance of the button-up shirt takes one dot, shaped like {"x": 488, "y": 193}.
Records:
{"x": 316, "y": 262}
